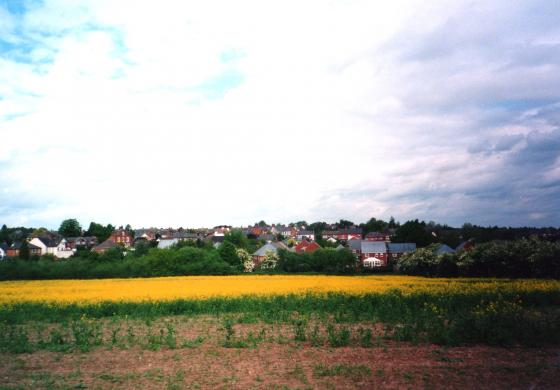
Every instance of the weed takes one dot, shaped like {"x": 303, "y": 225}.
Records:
{"x": 365, "y": 337}
{"x": 338, "y": 337}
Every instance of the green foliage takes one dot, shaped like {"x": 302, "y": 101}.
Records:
{"x": 70, "y": 228}
{"x": 237, "y": 238}
{"x": 24, "y": 253}
{"x": 374, "y": 225}
{"x": 329, "y": 261}
{"x": 228, "y": 253}
{"x": 414, "y": 231}
{"x": 101, "y": 232}
{"x": 113, "y": 264}
{"x": 525, "y": 258}
{"x": 450, "y": 318}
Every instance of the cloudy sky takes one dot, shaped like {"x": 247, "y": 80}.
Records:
{"x": 176, "y": 113}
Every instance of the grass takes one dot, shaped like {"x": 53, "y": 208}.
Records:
{"x": 501, "y": 316}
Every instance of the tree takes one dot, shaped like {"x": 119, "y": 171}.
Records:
{"x": 70, "y": 228}
{"x": 246, "y": 260}
{"x": 237, "y": 238}
{"x": 101, "y": 232}
{"x": 343, "y": 224}
{"x": 414, "y": 231}
{"x": 374, "y": 225}
{"x": 270, "y": 260}
{"x": 24, "y": 250}
{"x": 228, "y": 253}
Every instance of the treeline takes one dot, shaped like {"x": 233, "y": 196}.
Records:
{"x": 114, "y": 264}
{"x": 524, "y": 258}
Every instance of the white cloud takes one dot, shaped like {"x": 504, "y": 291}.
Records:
{"x": 345, "y": 109}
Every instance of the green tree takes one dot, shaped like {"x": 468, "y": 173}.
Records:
{"x": 343, "y": 224}
{"x": 24, "y": 250}
{"x": 374, "y": 225}
{"x": 228, "y": 253}
{"x": 101, "y": 232}
{"x": 237, "y": 238}
{"x": 70, "y": 228}
{"x": 414, "y": 231}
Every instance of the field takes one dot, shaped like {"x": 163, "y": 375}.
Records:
{"x": 280, "y": 332}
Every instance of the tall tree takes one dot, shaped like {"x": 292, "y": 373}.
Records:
{"x": 24, "y": 250}
{"x": 101, "y": 232}
{"x": 70, "y": 228}
{"x": 343, "y": 224}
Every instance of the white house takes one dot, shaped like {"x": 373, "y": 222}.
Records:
{"x": 309, "y": 234}
{"x": 51, "y": 247}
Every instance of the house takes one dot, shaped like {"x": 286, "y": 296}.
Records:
{"x": 121, "y": 237}
{"x": 305, "y": 234}
{"x": 344, "y": 234}
{"x": 51, "y": 246}
{"x": 287, "y": 231}
{"x": 377, "y": 236}
{"x": 86, "y": 242}
{"x": 105, "y": 245}
{"x": 396, "y": 250}
{"x": 374, "y": 252}
{"x": 165, "y": 243}
{"x": 13, "y": 250}
{"x": 464, "y": 246}
{"x": 442, "y": 249}
{"x": 273, "y": 247}
{"x": 307, "y": 246}
{"x": 182, "y": 236}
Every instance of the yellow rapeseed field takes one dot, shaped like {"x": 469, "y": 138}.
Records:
{"x": 200, "y": 287}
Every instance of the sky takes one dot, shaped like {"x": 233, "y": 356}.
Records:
{"x": 179, "y": 113}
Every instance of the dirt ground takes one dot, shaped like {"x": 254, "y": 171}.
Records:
{"x": 282, "y": 364}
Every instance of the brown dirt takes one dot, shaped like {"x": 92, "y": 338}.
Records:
{"x": 279, "y": 363}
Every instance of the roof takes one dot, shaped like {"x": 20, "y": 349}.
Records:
{"x": 355, "y": 245}
{"x": 17, "y": 245}
{"x": 165, "y": 243}
{"x": 373, "y": 247}
{"x": 340, "y": 247}
{"x": 401, "y": 247}
{"x": 444, "y": 249}
{"x": 343, "y": 231}
{"x": 375, "y": 234}
{"x": 305, "y": 232}
{"x": 185, "y": 235}
{"x": 268, "y": 247}
{"x": 107, "y": 244}
{"x": 47, "y": 241}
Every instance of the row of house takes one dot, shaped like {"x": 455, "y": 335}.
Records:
{"x": 377, "y": 253}
{"x": 59, "y": 247}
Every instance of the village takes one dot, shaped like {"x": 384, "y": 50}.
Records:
{"x": 373, "y": 249}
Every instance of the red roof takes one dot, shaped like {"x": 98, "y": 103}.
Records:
{"x": 306, "y": 246}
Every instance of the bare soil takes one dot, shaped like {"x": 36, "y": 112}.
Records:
{"x": 282, "y": 363}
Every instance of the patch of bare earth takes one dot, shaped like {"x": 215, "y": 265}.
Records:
{"x": 277, "y": 362}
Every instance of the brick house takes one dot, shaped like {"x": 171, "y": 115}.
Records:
{"x": 377, "y": 236}
{"x": 307, "y": 246}
{"x": 343, "y": 234}
{"x": 396, "y": 250}
{"x": 122, "y": 237}
{"x": 13, "y": 250}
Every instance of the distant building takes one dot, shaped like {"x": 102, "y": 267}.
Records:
{"x": 343, "y": 234}
{"x": 14, "y": 249}
{"x": 377, "y": 236}
{"x": 260, "y": 254}
{"x": 122, "y": 237}
{"x": 307, "y": 246}
{"x": 442, "y": 249}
